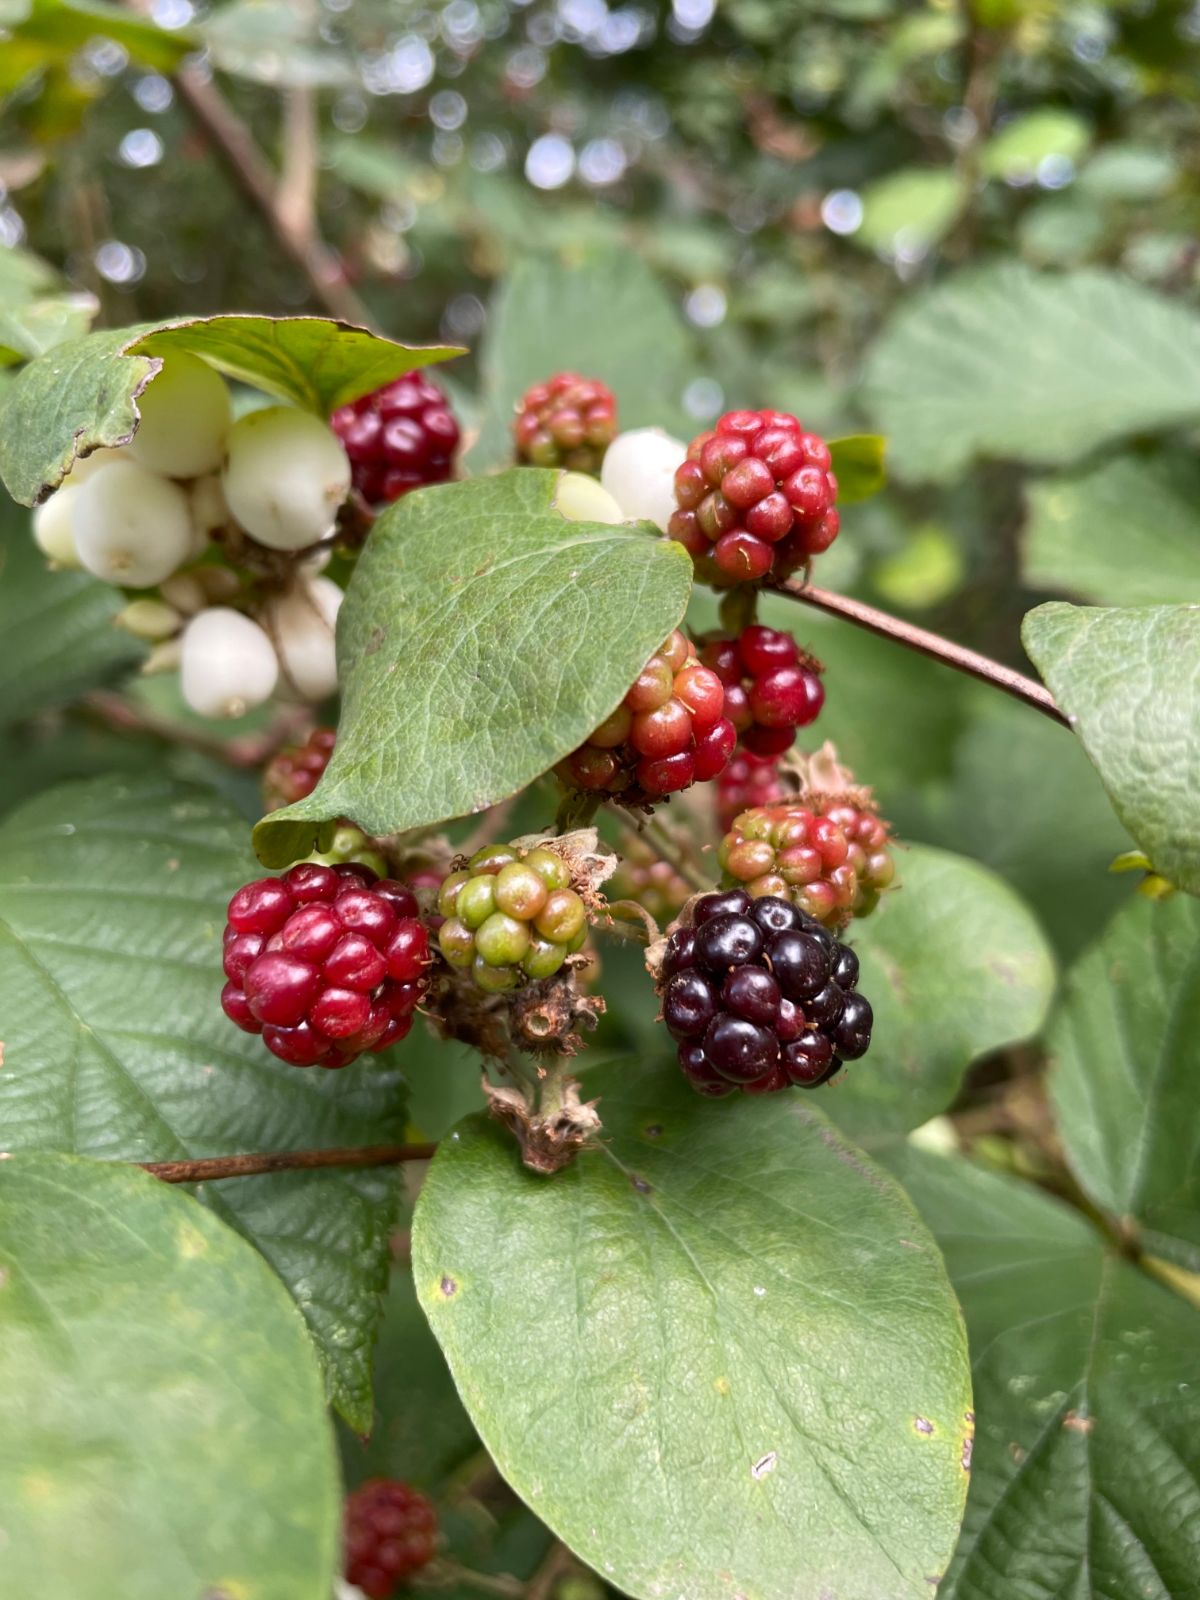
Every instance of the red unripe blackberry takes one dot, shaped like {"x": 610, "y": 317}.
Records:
{"x": 325, "y": 962}
{"x": 568, "y": 421}
{"x": 294, "y": 772}
{"x": 747, "y": 781}
{"x": 759, "y": 996}
{"x": 390, "y": 1533}
{"x": 828, "y": 855}
{"x": 669, "y": 732}
{"x": 772, "y": 687}
{"x": 756, "y": 498}
{"x": 401, "y": 437}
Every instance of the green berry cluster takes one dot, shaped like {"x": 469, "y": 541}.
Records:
{"x": 511, "y": 916}
{"x": 351, "y": 845}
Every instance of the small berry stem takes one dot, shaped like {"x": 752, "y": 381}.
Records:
{"x": 928, "y": 644}
{"x": 575, "y": 811}
{"x": 668, "y": 847}
{"x": 208, "y": 1169}
{"x": 501, "y": 1584}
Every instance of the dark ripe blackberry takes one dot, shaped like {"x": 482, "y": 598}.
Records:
{"x": 740, "y": 1050}
{"x": 791, "y": 1023}
{"x": 845, "y": 967}
{"x": 681, "y": 952}
{"x": 825, "y": 1007}
{"x": 771, "y": 1083}
{"x": 701, "y": 1074}
{"x": 688, "y": 1006}
{"x": 727, "y": 941}
{"x": 398, "y": 438}
{"x": 728, "y": 902}
{"x": 752, "y": 993}
{"x": 807, "y": 1058}
{"x": 774, "y": 915}
{"x": 852, "y": 1031}
{"x": 800, "y": 962}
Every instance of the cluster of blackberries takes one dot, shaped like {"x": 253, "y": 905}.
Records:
{"x": 756, "y": 498}
{"x": 669, "y": 732}
{"x": 324, "y": 962}
{"x": 389, "y": 1533}
{"x": 398, "y": 438}
{"x": 761, "y": 997}
{"x": 747, "y": 781}
{"x": 828, "y": 855}
{"x": 772, "y": 687}
{"x": 568, "y": 421}
{"x": 295, "y": 771}
{"x": 510, "y": 916}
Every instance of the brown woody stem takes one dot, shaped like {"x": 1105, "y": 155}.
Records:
{"x": 207, "y": 1169}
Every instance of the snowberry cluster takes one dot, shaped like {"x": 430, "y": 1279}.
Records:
{"x": 760, "y": 997}
{"x": 755, "y": 498}
{"x": 568, "y": 421}
{"x": 642, "y": 877}
{"x": 826, "y": 855}
{"x": 147, "y": 516}
{"x": 295, "y": 771}
{"x": 747, "y": 781}
{"x": 669, "y": 731}
{"x": 771, "y": 686}
{"x": 510, "y": 916}
{"x": 325, "y": 962}
{"x": 389, "y": 1533}
{"x": 398, "y": 438}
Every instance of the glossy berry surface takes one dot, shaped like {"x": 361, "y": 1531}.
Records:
{"x": 747, "y": 781}
{"x": 829, "y": 857}
{"x": 294, "y": 772}
{"x": 669, "y": 732}
{"x": 401, "y": 437}
{"x": 568, "y": 421}
{"x": 324, "y": 962}
{"x": 772, "y": 687}
{"x": 755, "y": 498}
{"x": 510, "y": 916}
{"x": 760, "y": 997}
{"x": 390, "y": 1533}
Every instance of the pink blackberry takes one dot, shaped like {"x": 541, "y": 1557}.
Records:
{"x": 390, "y": 1533}
{"x": 568, "y": 421}
{"x": 324, "y": 962}
{"x": 401, "y": 437}
{"x": 772, "y": 687}
{"x": 827, "y": 855}
{"x": 756, "y": 498}
{"x": 294, "y": 772}
{"x": 747, "y": 781}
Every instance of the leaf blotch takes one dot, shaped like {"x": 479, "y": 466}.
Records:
{"x": 640, "y": 1184}
{"x": 923, "y": 1425}
{"x": 447, "y": 1286}
{"x": 764, "y": 1464}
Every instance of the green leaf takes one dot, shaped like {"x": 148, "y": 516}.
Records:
{"x": 605, "y": 315}
{"x": 276, "y": 42}
{"x": 112, "y": 905}
{"x": 61, "y": 27}
{"x": 1125, "y": 532}
{"x": 482, "y": 639}
{"x": 1004, "y": 362}
{"x": 954, "y": 965}
{"x": 1087, "y": 1458}
{"x": 858, "y": 463}
{"x": 83, "y": 394}
{"x": 717, "y": 1355}
{"x": 30, "y": 330}
{"x": 1022, "y": 144}
{"x": 1127, "y": 679}
{"x": 57, "y": 627}
{"x": 1129, "y": 172}
{"x": 163, "y": 1422}
{"x": 1124, "y": 1078}
{"x": 910, "y": 210}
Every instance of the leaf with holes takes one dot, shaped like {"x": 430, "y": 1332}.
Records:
{"x": 83, "y": 394}
{"x": 954, "y": 965}
{"x": 1124, "y": 1077}
{"x": 717, "y": 1355}
{"x": 161, "y": 1409}
{"x": 1086, "y": 1471}
{"x": 482, "y": 639}
{"x": 112, "y": 905}
{"x": 1129, "y": 679}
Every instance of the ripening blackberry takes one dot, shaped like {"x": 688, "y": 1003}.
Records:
{"x": 756, "y": 498}
{"x": 568, "y": 421}
{"x": 401, "y": 437}
{"x": 827, "y": 855}
{"x": 294, "y": 771}
{"x": 651, "y": 883}
{"x": 511, "y": 916}
{"x": 772, "y": 687}
{"x": 389, "y": 1533}
{"x": 760, "y": 997}
{"x": 325, "y": 962}
{"x": 747, "y": 781}
{"x": 669, "y": 732}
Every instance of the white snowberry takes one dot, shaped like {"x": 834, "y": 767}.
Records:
{"x": 581, "y": 499}
{"x": 302, "y": 624}
{"x": 131, "y": 527}
{"x": 228, "y": 664}
{"x": 52, "y": 530}
{"x": 148, "y": 619}
{"x": 185, "y": 416}
{"x": 639, "y": 472}
{"x": 285, "y": 477}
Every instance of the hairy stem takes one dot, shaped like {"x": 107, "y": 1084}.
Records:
{"x": 207, "y": 1169}
{"x": 928, "y": 644}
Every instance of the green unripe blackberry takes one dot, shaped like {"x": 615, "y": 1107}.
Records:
{"x": 511, "y": 916}
{"x": 350, "y": 845}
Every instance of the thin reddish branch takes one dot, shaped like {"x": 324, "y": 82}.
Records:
{"x": 928, "y": 644}
{"x": 209, "y": 1168}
